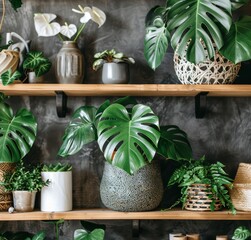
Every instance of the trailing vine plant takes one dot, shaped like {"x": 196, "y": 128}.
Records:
{"x": 199, "y": 171}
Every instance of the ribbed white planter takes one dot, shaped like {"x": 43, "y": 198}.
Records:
{"x": 57, "y": 196}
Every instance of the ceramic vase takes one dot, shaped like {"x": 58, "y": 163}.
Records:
{"x": 70, "y": 64}
{"x": 115, "y": 73}
{"x": 141, "y": 191}
{"x": 57, "y": 196}
{"x": 24, "y": 201}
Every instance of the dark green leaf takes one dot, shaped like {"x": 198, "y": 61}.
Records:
{"x": 238, "y": 3}
{"x": 81, "y": 234}
{"x": 39, "y": 236}
{"x": 16, "y": 4}
{"x": 8, "y": 78}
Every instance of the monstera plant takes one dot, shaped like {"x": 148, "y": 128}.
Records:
{"x": 17, "y": 132}
{"x": 191, "y": 26}
{"x": 128, "y": 134}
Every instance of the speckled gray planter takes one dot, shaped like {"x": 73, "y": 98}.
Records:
{"x": 142, "y": 191}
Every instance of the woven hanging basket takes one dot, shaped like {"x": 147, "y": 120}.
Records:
{"x": 198, "y": 198}
{"x": 5, "y": 197}
{"x": 216, "y": 71}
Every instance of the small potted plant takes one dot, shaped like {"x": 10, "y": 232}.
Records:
{"x": 24, "y": 182}
{"x": 129, "y": 135}
{"x": 115, "y": 66}
{"x": 203, "y": 34}
{"x": 204, "y": 186}
{"x": 18, "y": 133}
{"x": 57, "y": 196}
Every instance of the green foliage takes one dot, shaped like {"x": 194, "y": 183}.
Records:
{"x": 108, "y": 56}
{"x": 57, "y": 224}
{"x": 24, "y": 178}
{"x": 241, "y": 233}
{"x": 8, "y": 77}
{"x": 193, "y": 25}
{"x": 35, "y": 61}
{"x": 57, "y": 167}
{"x": 16, "y": 4}
{"x": 22, "y": 236}
{"x": 17, "y": 132}
{"x": 199, "y": 171}
{"x": 128, "y": 133}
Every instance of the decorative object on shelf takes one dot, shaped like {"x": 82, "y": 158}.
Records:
{"x": 191, "y": 174}
{"x": 171, "y": 235}
{"x": 127, "y": 133}
{"x": 241, "y": 191}
{"x": 198, "y": 31}
{"x": 18, "y": 135}
{"x": 193, "y": 236}
{"x": 241, "y": 233}
{"x": 222, "y": 237}
{"x": 70, "y": 60}
{"x": 115, "y": 66}
{"x": 121, "y": 191}
{"x": 90, "y": 231}
{"x": 180, "y": 237}
{"x": 24, "y": 182}
{"x": 35, "y": 66}
{"x": 57, "y": 196}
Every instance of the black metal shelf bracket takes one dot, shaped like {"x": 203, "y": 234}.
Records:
{"x": 135, "y": 228}
{"x": 200, "y": 104}
{"x": 61, "y": 103}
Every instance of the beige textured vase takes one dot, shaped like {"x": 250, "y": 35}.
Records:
{"x": 70, "y": 64}
{"x": 24, "y": 201}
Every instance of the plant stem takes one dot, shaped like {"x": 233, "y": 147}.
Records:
{"x": 60, "y": 37}
{"x": 82, "y": 26}
{"x": 2, "y": 19}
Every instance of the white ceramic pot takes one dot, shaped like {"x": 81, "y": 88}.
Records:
{"x": 57, "y": 196}
{"x": 24, "y": 201}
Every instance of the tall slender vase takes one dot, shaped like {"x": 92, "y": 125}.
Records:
{"x": 70, "y": 64}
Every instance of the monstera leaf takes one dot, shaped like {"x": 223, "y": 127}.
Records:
{"x": 241, "y": 233}
{"x": 238, "y": 3}
{"x": 80, "y": 131}
{"x": 194, "y": 21}
{"x": 17, "y": 133}
{"x": 128, "y": 140}
{"x": 174, "y": 144}
{"x": 238, "y": 41}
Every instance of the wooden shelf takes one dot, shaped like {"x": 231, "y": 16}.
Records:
{"x": 105, "y": 214}
{"x": 126, "y": 89}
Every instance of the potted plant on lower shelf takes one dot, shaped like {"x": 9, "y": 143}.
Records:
{"x": 204, "y": 186}
{"x": 115, "y": 66}
{"x": 24, "y": 183}
{"x": 18, "y": 133}
{"x": 129, "y": 135}
{"x": 57, "y": 196}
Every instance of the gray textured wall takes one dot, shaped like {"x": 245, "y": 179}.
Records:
{"x": 223, "y": 135}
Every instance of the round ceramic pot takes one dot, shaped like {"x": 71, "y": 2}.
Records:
{"x": 24, "y": 201}
{"x": 141, "y": 191}
{"x": 70, "y": 63}
{"x": 57, "y": 196}
{"x": 115, "y": 73}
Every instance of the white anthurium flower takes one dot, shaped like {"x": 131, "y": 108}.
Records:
{"x": 68, "y": 30}
{"x": 43, "y": 24}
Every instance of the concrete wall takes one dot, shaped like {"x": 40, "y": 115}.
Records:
{"x": 223, "y": 135}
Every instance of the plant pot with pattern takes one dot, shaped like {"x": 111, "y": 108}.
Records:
{"x": 24, "y": 182}
{"x": 17, "y": 135}
{"x": 204, "y": 185}
{"x": 57, "y": 196}
{"x": 209, "y": 45}
{"x": 129, "y": 135}
{"x": 115, "y": 66}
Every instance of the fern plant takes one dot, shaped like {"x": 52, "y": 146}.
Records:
{"x": 201, "y": 172}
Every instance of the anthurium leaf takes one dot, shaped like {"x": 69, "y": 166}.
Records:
{"x": 39, "y": 236}
{"x": 8, "y": 78}
{"x": 81, "y": 234}
{"x": 16, "y": 4}
{"x": 156, "y": 37}
{"x": 194, "y": 21}
{"x": 128, "y": 140}
{"x": 80, "y": 131}
{"x": 238, "y": 41}
{"x": 17, "y": 133}
{"x": 33, "y": 60}
{"x": 174, "y": 144}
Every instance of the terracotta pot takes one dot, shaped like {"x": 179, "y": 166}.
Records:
{"x": 70, "y": 64}
{"x": 24, "y": 201}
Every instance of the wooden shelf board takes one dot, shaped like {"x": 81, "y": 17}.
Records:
{"x": 105, "y": 214}
{"x": 126, "y": 89}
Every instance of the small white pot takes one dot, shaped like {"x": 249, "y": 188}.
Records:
{"x": 57, "y": 196}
